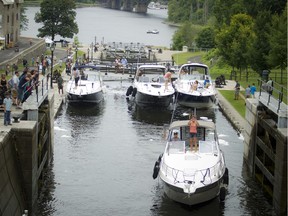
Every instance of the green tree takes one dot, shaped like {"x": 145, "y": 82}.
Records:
{"x": 185, "y": 36}
{"x": 260, "y": 47}
{"x": 206, "y": 38}
{"x": 235, "y": 41}
{"x": 58, "y": 18}
{"x": 225, "y": 9}
{"x": 277, "y": 56}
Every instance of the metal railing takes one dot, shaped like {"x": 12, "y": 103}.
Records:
{"x": 39, "y": 90}
{"x": 276, "y": 91}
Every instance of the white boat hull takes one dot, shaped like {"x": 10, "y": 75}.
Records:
{"x": 199, "y": 102}
{"x": 192, "y": 176}
{"x": 149, "y": 87}
{"x": 89, "y": 89}
{"x": 194, "y": 87}
{"x": 147, "y": 100}
{"x": 201, "y": 195}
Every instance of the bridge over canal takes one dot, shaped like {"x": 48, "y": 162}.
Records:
{"x": 138, "y": 6}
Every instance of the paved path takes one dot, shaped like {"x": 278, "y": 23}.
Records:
{"x": 236, "y": 119}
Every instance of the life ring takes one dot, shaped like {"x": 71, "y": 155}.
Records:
{"x": 129, "y": 91}
{"x": 222, "y": 194}
{"x": 226, "y": 177}
{"x": 134, "y": 92}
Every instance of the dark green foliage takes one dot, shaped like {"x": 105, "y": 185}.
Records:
{"x": 261, "y": 46}
{"x": 58, "y": 18}
{"x": 234, "y": 41}
{"x": 206, "y": 38}
{"x": 277, "y": 56}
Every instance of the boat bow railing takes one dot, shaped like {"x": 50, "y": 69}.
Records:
{"x": 193, "y": 176}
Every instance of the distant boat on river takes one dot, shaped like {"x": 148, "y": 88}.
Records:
{"x": 154, "y": 31}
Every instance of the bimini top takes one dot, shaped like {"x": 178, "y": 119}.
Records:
{"x": 87, "y": 66}
{"x": 194, "y": 64}
{"x": 154, "y": 66}
{"x": 184, "y": 123}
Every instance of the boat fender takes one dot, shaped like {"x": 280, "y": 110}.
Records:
{"x": 129, "y": 91}
{"x": 134, "y": 92}
{"x": 226, "y": 177}
{"x": 157, "y": 166}
{"x": 222, "y": 194}
{"x": 156, "y": 169}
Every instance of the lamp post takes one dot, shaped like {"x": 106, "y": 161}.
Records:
{"x": 76, "y": 50}
{"x": 52, "y": 48}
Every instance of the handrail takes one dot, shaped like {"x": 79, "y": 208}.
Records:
{"x": 211, "y": 172}
{"x": 264, "y": 87}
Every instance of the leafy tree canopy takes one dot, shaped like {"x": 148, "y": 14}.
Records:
{"x": 206, "y": 38}
{"x": 185, "y": 36}
{"x": 58, "y": 18}
{"x": 235, "y": 41}
{"x": 277, "y": 56}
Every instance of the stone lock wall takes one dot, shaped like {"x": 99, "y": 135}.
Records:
{"x": 15, "y": 177}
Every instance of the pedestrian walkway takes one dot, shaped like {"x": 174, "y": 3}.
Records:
{"x": 236, "y": 119}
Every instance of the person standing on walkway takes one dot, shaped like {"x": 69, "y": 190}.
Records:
{"x": 253, "y": 90}
{"x": 237, "y": 90}
{"x": 7, "y": 109}
{"x": 60, "y": 82}
{"x": 247, "y": 92}
{"x": 270, "y": 86}
{"x": 14, "y": 87}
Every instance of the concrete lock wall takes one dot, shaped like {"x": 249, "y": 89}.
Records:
{"x": 16, "y": 165}
{"x": 265, "y": 153}
{"x": 25, "y": 150}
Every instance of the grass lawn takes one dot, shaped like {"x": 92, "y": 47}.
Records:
{"x": 238, "y": 105}
{"x": 182, "y": 58}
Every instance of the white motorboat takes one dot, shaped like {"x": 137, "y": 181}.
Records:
{"x": 154, "y": 31}
{"x": 190, "y": 94}
{"x": 149, "y": 87}
{"x": 90, "y": 87}
{"x": 192, "y": 177}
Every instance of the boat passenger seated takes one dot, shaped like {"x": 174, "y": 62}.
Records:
{"x": 175, "y": 136}
{"x": 206, "y": 82}
{"x": 194, "y": 86}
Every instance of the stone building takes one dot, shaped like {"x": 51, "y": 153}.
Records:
{"x": 9, "y": 22}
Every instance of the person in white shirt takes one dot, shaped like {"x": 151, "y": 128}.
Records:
{"x": 15, "y": 80}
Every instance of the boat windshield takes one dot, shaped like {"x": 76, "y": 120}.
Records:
{"x": 192, "y": 76}
{"x": 93, "y": 77}
{"x": 192, "y": 72}
{"x": 176, "y": 147}
{"x": 207, "y": 147}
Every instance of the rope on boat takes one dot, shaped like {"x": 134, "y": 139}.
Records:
{"x": 204, "y": 176}
{"x": 175, "y": 177}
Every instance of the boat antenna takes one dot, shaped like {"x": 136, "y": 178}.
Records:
{"x": 174, "y": 108}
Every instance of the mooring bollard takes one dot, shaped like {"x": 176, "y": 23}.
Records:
{"x": 16, "y": 120}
